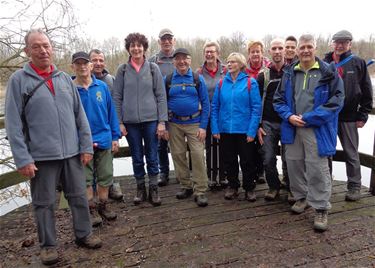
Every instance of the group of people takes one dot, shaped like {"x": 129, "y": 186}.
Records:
{"x": 228, "y": 115}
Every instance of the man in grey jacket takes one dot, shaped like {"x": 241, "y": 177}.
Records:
{"x": 50, "y": 140}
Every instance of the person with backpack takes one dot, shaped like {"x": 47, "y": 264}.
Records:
{"x": 140, "y": 100}
{"x": 188, "y": 111}
{"x": 235, "y": 116}
{"x": 358, "y": 103}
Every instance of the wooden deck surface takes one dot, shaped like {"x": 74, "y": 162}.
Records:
{"x": 223, "y": 234}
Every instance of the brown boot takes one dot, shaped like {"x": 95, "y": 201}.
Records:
{"x": 89, "y": 241}
{"x": 141, "y": 194}
{"x": 231, "y": 193}
{"x": 49, "y": 255}
{"x": 95, "y": 218}
{"x": 153, "y": 195}
{"x": 106, "y": 213}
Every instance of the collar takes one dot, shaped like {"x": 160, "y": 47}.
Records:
{"x": 39, "y": 71}
{"x": 315, "y": 66}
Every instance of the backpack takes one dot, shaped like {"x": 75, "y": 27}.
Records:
{"x": 152, "y": 70}
{"x": 168, "y": 83}
{"x": 248, "y": 83}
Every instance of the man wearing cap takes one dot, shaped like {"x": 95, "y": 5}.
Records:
{"x": 188, "y": 109}
{"x": 357, "y": 105}
{"x": 164, "y": 59}
{"x": 100, "y": 111}
{"x": 50, "y": 140}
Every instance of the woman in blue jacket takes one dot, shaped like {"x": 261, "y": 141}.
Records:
{"x": 235, "y": 115}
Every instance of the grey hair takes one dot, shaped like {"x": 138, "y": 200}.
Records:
{"x": 32, "y": 31}
{"x": 212, "y": 44}
{"x": 96, "y": 51}
{"x": 240, "y": 58}
{"x": 307, "y": 38}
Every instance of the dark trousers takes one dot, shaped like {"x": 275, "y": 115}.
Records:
{"x": 163, "y": 157}
{"x": 214, "y": 160}
{"x": 233, "y": 146}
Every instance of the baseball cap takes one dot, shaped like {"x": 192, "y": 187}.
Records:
{"x": 342, "y": 35}
{"x": 181, "y": 51}
{"x": 165, "y": 31}
{"x": 80, "y": 55}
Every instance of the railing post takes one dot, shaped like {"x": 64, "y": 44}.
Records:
{"x": 372, "y": 180}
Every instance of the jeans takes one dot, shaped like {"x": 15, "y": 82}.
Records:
{"x": 138, "y": 134}
{"x": 163, "y": 157}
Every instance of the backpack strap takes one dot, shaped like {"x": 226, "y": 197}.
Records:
{"x": 248, "y": 83}
{"x": 196, "y": 83}
{"x": 152, "y": 70}
{"x": 341, "y": 63}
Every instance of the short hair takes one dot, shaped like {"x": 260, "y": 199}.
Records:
{"x": 96, "y": 51}
{"x": 307, "y": 38}
{"x": 239, "y": 58}
{"x": 291, "y": 38}
{"x": 32, "y": 31}
{"x": 277, "y": 39}
{"x": 212, "y": 44}
{"x": 136, "y": 37}
{"x": 252, "y": 44}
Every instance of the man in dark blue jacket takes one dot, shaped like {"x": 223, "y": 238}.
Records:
{"x": 309, "y": 101}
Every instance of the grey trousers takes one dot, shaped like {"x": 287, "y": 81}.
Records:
{"x": 43, "y": 193}
{"x": 348, "y": 135}
{"x": 308, "y": 172}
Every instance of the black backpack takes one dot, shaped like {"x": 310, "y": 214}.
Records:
{"x": 168, "y": 83}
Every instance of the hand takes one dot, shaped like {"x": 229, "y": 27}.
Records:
{"x": 160, "y": 130}
{"x": 166, "y": 135}
{"x": 201, "y": 134}
{"x": 115, "y": 146}
{"x": 85, "y": 158}
{"x": 249, "y": 139}
{"x": 261, "y": 133}
{"x": 360, "y": 124}
{"x": 216, "y": 136}
{"x": 123, "y": 130}
{"x": 28, "y": 170}
{"x": 296, "y": 120}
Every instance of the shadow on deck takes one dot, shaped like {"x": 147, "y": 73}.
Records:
{"x": 224, "y": 234}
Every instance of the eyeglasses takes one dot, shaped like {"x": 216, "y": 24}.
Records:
{"x": 166, "y": 38}
{"x": 341, "y": 42}
{"x": 210, "y": 51}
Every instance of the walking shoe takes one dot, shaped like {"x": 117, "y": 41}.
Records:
{"x": 299, "y": 206}
{"x": 250, "y": 196}
{"x": 321, "y": 220}
{"x": 153, "y": 195}
{"x": 141, "y": 194}
{"x": 353, "y": 195}
{"x": 201, "y": 200}
{"x": 271, "y": 195}
{"x": 95, "y": 218}
{"x": 290, "y": 198}
{"x": 231, "y": 193}
{"x": 261, "y": 178}
{"x": 105, "y": 212}
{"x": 115, "y": 192}
{"x": 89, "y": 241}
{"x": 184, "y": 193}
{"x": 49, "y": 256}
{"x": 163, "y": 180}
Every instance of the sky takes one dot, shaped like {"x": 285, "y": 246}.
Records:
{"x": 212, "y": 19}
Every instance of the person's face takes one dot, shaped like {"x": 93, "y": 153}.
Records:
{"x": 39, "y": 50}
{"x": 136, "y": 50}
{"x": 290, "y": 49}
{"x": 97, "y": 62}
{"x": 82, "y": 68}
{"x": 341, "y": 46}
{"x": 277, "y": 52}
{"x": 182, "y": 63}
{"x": 306, "y": 52}
{"x": 233, "y": 66}
{"x": 255, "y": 54}
{"x": 211, "y": 55}
{"x": 167, "y": 43}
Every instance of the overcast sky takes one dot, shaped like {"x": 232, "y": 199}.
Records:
{"x": 212, "y": 19}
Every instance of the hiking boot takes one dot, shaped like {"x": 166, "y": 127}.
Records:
{"x": 290, "y": 198}
{"x": 261, "y": 179}
{"x": 141, "y": 194}
{"x": 95, "y": 218}
{"x": 250, "y": 196}
{"x": 163, "y": 180}
{"x": 184, "y": 193}
{"x": 115, "y": 192}
{"x": 153, "y": 195}
{"x": 353, "y": 195}
{"x": 321, "y": 220}
{"x": 201, "y": 200}
{"x": 49, "y": 256}
{"x": 89, "y": 241}
{"x": 299, "y": 206}
{"x": 231, "y": 193}
{"x": 107, "y": 214}
{"x": 271, "y": 195}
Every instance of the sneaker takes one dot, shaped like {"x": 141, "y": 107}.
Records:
{"x": 353, "y": 195}
{"x": 299, "y": 206}
{"x": 250, "y": 196}
{"x": 115, "y": 192}
{"x": 89, "y": 241}
{"x": 271, "y": 195}
{"x": 201, "y": 200}
{"x": 163, "y": 180}
{"x": 49, "y": 256}
{"x": 95, "y": 218}
{"x": 184, "y": 193}
{"x": 321, "y": 220}
{"x": 106, "y": 213}
{"x": 290, "y": 198}
{"x": 231, "y": 193}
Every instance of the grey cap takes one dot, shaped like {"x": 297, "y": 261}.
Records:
{"x": 165, "y": 31}
{"x": 181, "y": 51}
{"x": 342, "y": 35}
{"x": 80, "y": 55}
